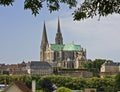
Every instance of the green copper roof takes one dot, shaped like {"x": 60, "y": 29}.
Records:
{"x": 56, "y": 47}
{"x": 72, "y": 47}
{"x": 65, "y": 47}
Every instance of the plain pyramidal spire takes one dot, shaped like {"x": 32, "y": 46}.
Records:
{"x": 58, "y": 30}
{"x": 44, "y": 41}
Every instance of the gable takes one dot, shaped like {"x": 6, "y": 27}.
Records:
{"x": 13, "y": 88}
{"x": 17, "y": 86}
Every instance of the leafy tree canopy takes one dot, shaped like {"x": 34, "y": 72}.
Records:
{"x": 117, "y": 81}
{"x": 88, "y": 9}
{"x": 36, "y": 5}
{"x": 47, "y": 85}
{"x": 91, "y": 8}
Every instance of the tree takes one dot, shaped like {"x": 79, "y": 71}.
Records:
{"x": 91, "y": 8}
{"x": 63, "y": 89}
{"x": 117, "y": 81}
{"x": 88, "y": 9}
{"x": 94, "y": 66}
{"x": 47, "y": 85}
{"x": 36, "y": 5}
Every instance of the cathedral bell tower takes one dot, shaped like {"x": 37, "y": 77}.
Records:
{"x": 58, "y": 38}
{"x": 44, "y": 43}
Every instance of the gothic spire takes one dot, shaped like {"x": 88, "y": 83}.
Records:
{"x": 58, "y": 30}
{"x": 58, "y": 38}
{"x": 44, "y": 41}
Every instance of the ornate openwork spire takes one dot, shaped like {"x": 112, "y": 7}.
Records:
{"x": 58, "y": 38}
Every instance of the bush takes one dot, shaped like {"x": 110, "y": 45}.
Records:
{"x": 63, "y": 89}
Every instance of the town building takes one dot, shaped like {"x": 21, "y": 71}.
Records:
{"x": 13, "y": 69}
{"x": 39, "y": 68}
{"x": 109, "y": 68}
{"x": 4, "y": 69}
{"x": 18, "y": 69}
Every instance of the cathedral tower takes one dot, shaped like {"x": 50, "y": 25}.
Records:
{"x": 44, "y": 43}
{"x": 58, "y": 38}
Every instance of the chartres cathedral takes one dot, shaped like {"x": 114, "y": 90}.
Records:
{"x": 64, "y": 55}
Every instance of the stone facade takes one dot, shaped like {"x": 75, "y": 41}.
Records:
{"x": 59, "y": 52}
{"x": 76, "y": 73}
{"x": 109, "y": 68}
{"x": 40, "y": 68}
{"x": 14, "y": 69}
{"x": 63, "y": 56}
{"x": 18, "y": 69}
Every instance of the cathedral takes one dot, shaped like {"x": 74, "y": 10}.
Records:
{"x": 64, "y": 55}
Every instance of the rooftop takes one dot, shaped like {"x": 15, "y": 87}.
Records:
{"x": 40, "y": 65}
{"x": 20, "y": 85}
{"x": 65, "y": 47}
{"x": 111, "y": 64}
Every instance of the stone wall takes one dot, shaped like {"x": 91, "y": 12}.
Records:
{"x": 77, "y": 73}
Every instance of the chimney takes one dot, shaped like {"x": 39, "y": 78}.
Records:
{"x": 33, "y": 86}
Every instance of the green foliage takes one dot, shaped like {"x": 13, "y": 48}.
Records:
{"x": 6, "y": 2}
{"x": 63, "y": 89}
{"x": 40, "y": 91}
{"x": 117, "y": 81}
{"x": 36, "y": 5}
{"x": 91, "y": 8}
{"x": 108, "y": 84}
{"x": 88, "y": 9}
{"x": 101, "y": 83}
{"x": 94, "y": 66}
{"x": 53, "y": 5}
{"x": 27, "y": 80}
{"x": 47, "y": 85}
{"x": 33, "y": 5}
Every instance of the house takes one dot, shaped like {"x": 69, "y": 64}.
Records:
{"x": 40, "y": 68}
{"x": 18, "y": 69}
{"x": 109, "y": 68}
{"x": 4, "y": 69}
{"x": 14, "y": 69}
{"x": 17, "y": 86}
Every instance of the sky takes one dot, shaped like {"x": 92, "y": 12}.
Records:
{"x": 21, "y": 33}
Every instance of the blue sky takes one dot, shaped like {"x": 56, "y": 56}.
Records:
{"x": 21, "y": 32}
